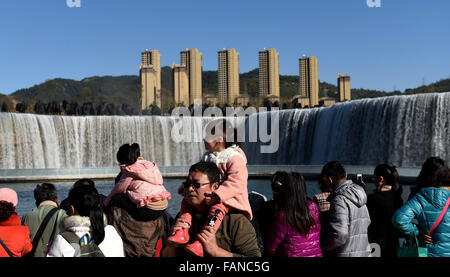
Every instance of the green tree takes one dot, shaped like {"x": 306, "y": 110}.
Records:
{"x": 86, "y": 93}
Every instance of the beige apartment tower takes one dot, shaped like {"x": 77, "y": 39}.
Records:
{"x": 180, "y": 85}
{"x": 228, "y": 79}
{"x": 309, "y": 79}
{"x": 269, "y": 74}
{"x": 344, "y": 87}
{"x": 150, "y": 74}
{"x": 191, "y": 59}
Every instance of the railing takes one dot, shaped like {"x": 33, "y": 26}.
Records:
{"x": 310, "y": 172}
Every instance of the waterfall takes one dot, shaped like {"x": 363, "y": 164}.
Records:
{"x": 400, "y": 130}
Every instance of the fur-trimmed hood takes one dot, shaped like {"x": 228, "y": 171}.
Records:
{"x": 111, "y": 245}
{"x": 224, "y": 156}
{"x": 76, "y": 223}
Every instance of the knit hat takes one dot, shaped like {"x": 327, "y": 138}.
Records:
{"x": 8, "y": 195}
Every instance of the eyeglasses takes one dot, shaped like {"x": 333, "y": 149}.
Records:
{"x": 196, "y": 185}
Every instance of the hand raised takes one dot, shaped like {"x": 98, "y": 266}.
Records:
{"x": 208, "y": 239}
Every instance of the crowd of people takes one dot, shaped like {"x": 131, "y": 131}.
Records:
{"x": 219, "y": 218}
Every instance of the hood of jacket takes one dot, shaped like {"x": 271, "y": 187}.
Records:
{"x": 144, "y": 170}
{"x": 435, "y": 196}
{"x": 224, "y": 156}
{"x": 353, "y": 192}
{"x": 77, "y": 223}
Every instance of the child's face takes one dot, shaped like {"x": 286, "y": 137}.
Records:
{"x": 214, "y": 145}
{"x": 214, "y": 142}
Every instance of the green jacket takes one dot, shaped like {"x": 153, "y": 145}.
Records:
{"x": 235, "y": 234}
{"x": 33, "y": 220}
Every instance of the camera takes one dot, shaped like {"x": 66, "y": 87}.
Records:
{"x": 359, "y": 178}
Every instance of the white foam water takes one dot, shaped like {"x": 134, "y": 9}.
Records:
{"x": 400, "y": 130}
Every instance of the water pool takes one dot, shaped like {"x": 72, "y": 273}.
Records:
{"x": 262, "y": 186}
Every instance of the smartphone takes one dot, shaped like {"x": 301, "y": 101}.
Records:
{"x": 359, "y": 177}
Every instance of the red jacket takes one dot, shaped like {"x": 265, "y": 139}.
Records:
{"x": 15, "y": 236}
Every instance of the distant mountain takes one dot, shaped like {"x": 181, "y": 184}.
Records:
{"x": 107, "y": 89}
{"x": 126, "y": 89}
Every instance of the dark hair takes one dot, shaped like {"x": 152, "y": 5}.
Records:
{"x": 83, "y": 182}
{"x": 323, "y": 186}
{"x": 334, "y": 169}
{"x": 434, "y": 173}
{"x": 390, "y": 174}
{"x": 280, "y": 177}
{"x": 293, "y": 202}
{"x": 86, "y": 201}
{"x": 208, "y": 168}
{"x": 118, "y": 177}
{"x": 6, "y": 210}
{"x": 128, "y": 153}
{"x": 229, "y": 132}
{"x": 45, "y": 191}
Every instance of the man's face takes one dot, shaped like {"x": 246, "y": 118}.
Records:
{"x": 196, "y": 196}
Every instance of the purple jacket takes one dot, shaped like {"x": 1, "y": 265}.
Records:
{"x": 284, "y": 240}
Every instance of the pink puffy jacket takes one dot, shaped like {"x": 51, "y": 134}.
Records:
{"x": 142, "y": 182}
{"x": 232, "y": 164}
{"x": 285, "y": 241}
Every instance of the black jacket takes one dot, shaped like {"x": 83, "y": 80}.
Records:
{"x": 382, "y": 206}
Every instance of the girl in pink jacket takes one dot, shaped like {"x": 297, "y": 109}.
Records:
{"x": 295, "y": 229}
{"x": 140, "y": 190}
{"x": 232, "y": 194}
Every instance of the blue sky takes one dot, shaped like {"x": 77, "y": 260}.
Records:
{"x": 397, "y": 46}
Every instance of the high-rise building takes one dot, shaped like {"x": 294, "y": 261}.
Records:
{"x": 228, "y": 83}
{"x": 344, "y": 87}
{"x": 327, "y": 101}
{"x": 191, "y": 59}
{"x": 309, "y": 79}
{"x": 269, "y": 74}
{"x": 180, "y": 85}
{"x": 150, "y": 74}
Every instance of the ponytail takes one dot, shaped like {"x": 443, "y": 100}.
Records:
{"x": 97, "y": 225}
{"x": 395, "y": 179}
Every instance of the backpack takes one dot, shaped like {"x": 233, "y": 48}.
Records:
{"x": 84, "y": 246}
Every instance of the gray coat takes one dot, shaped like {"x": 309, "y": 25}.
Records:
{"x": 349, "y": 222}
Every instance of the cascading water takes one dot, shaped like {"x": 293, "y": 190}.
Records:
{"x": 44, "y": 141}
{"x": 401, "y": 130}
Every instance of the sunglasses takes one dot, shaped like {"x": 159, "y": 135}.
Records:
{"x": 196, "y": 185}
